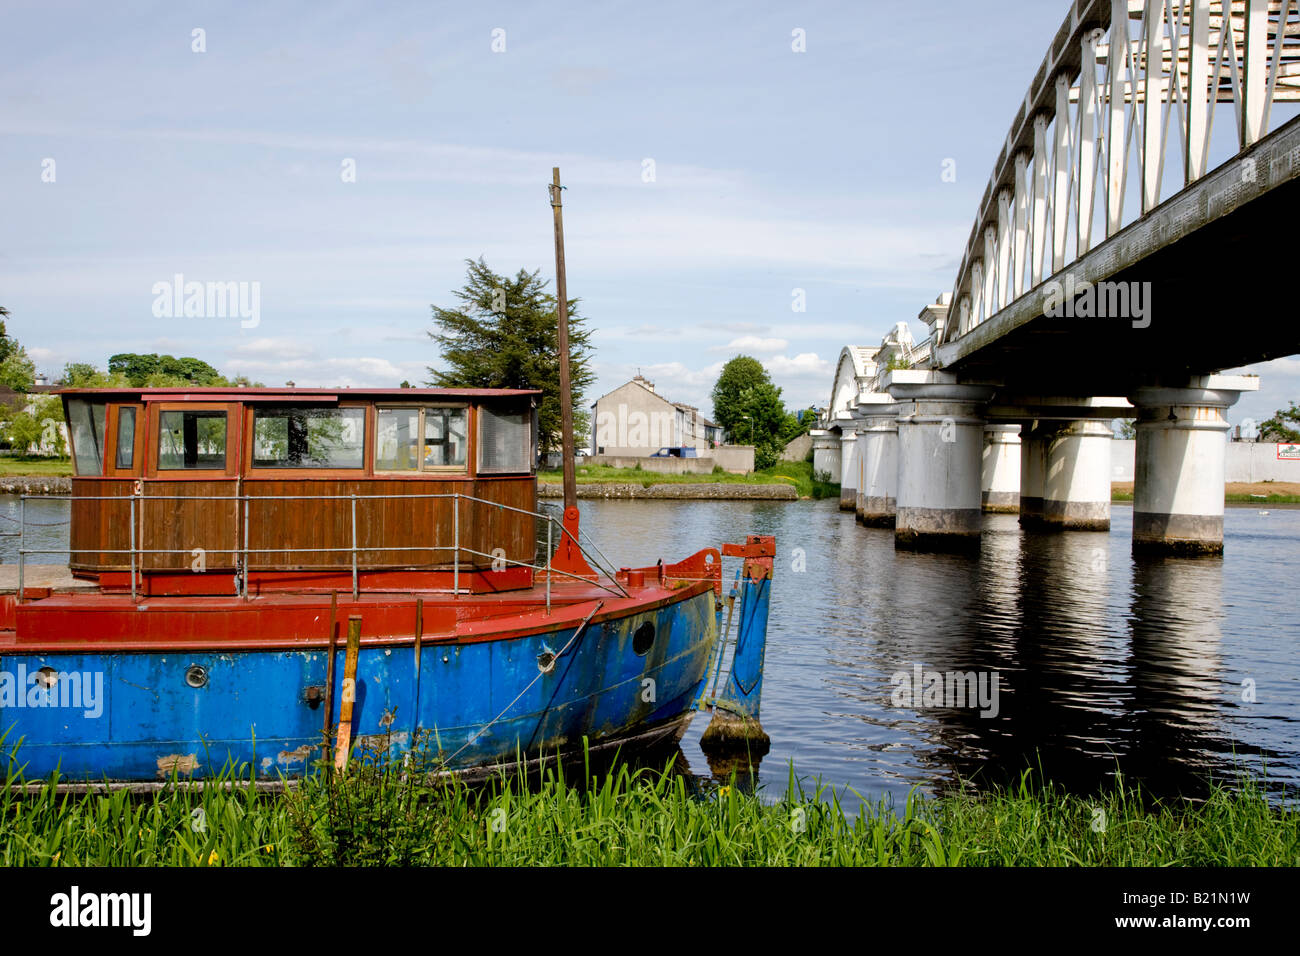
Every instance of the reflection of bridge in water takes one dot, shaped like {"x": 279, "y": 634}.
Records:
{"x": 1125, "y": 252}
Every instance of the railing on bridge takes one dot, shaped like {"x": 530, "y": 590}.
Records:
{"x": 1123, "y": 81}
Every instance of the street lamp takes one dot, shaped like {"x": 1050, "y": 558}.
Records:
{"x": 751, "y": 427}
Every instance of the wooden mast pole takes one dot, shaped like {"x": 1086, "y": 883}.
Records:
{"x": 562, "y": 314}
{"x": 568, "y": 556}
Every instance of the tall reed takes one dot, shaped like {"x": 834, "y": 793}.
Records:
{"x": 401, "y": 813}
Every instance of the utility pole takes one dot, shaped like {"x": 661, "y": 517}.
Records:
{"x": 562, "y": 313}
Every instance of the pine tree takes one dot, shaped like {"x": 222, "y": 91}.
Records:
{"x": 504, "y": 334}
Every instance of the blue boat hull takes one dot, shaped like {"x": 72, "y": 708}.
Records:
{"x": 477, "y": 703}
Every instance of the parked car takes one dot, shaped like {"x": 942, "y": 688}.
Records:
{"x": 676, "y": 453}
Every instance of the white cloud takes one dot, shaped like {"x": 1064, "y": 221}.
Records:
{"x": 752, "y": 343}
{"x": 803, "y": 364}
{"x": 283, "y": 349}
{"x": 429, "y": 161}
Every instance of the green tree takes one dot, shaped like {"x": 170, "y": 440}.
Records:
{"x": 17, "y": 371}
{"x": 749, "y": 407}
{"x": 166, "y": 371}
{"x": 1127, "y": 427}
{"x": 135, "y": 367}
{"x": 80, "y": 375}
{"x": 796, "y": 425}
{"x": 6, "y": 344}
{"x": 1284, "y": 426}
{"x": 22, "y": 431}
{"x": 85, "y": 375}
{"x": 729, "y": 410}
{"x": 503, "y": 333}
{"x": 769, "y": 417}
{"x": 155, "y": 370}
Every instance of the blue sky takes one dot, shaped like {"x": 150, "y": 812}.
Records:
{"x": 773, "y": 171}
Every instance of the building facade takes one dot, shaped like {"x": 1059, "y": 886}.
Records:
{"x": 635, "y": 421}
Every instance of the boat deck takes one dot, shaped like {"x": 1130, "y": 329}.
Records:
{"x": 62, "y": 614}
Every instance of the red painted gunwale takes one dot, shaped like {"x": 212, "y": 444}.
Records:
{"x": 98, "y": 622}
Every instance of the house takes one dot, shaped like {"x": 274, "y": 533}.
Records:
{"x": 54, "y": 434}
{"x": 636, "y": 421}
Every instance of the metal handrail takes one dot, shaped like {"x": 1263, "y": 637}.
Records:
{"x": 243, "y": 552}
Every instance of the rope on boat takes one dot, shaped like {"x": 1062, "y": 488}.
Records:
{"x": 581, "y": 627}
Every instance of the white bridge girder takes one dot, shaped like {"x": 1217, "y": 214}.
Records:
{"x": 1087, "y": 153}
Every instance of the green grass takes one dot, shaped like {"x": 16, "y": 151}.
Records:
{"x": 380, "y": 816}
{"x": 1271, "y": 499}
{"x": 18, "y": 466}
{"x": 798, "y": 474}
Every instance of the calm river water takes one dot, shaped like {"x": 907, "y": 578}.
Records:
{"x": 1104, "y": 662}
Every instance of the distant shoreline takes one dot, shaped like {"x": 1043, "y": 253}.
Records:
{"x": 681, "y": 491}
{"x": 62, "y": 485}
{"x": 1235, "y": 493}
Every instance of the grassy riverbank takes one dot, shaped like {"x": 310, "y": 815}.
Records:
{"x": 797, "y": 474}
{"x": 643, "y": 817}
{"x": 27, "y": 466}
{"x": 1235, "y": 492}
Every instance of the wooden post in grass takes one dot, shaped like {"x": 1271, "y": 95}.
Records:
{"x": 344, "y": 746}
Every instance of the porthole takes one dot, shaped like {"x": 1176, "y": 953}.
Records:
{"x": 643, "y": 639}
{"x": 196, "y": 676}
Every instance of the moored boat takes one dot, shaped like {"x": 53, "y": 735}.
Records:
{"x": 224, "y": 544}
{"x": 257, "y": 575}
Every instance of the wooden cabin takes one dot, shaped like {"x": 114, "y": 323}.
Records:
{"x": 210, "y": 490}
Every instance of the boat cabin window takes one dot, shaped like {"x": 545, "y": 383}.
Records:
{"x": 125, "y": 436}
{"x": 505, "y": 444}
{"x": 192, "y": 440}
{"x": 422, "y": 439}
{"x": 87, "y": 429}
{"x": 306, "y": 437}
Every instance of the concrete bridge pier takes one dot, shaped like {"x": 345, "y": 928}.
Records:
{"x": 1181, "y": 446}
{"x": 1000, "y": 474}
{"x": 826, "y": 454}
{"x": 1076, "y": 479}
{"x": 848, "y": 467}
{"x": 940, "y": 457}
{"x": 878, "y": 453}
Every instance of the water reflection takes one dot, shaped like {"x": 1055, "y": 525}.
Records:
{"x": 1175, "y": 669}
{"x": 1105, "y": 663}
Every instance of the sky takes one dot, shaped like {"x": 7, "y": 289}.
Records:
{"x": 343, "y": 160}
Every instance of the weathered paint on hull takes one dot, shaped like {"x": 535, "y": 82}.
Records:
{"x": 254, "y": 708}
